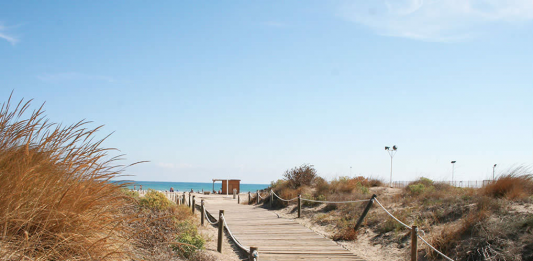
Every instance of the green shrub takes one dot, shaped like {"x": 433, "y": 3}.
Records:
{"x": 130, "y": 193}
{"x": 362, "y": 188}
{"x": 190, "y": 239}
{"x": 155, "y": 200}
{"x": 416, "y": 189}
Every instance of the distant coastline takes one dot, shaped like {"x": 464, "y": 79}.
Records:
{"x": 187, "y": 186}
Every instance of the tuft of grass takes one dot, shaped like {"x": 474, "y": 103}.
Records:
{"x": 56, "y": 198}
{"x": 511, "y": 186}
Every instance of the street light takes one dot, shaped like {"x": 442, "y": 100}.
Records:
{"x": 493, "y": 167}
{"x": 453, "y": 169}
{"x": 391, "y": 152}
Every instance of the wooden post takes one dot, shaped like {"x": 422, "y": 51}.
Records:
{"x": 189, "y": 199}
{"x": 238, "y": 198}
{"x": 184, "y": 198}
{"x": 249, "y": 198}
{"x": 220, "y": 230}
{"x": 414, "y": 243}
{"x": 271, "y": 199}
{"x": 257, "y": 197}
{"x": 252, "y": 250}
{"x": 367, "y": 208}
{"x": 203, "y": 212}
{"x": 299, "y": 205}
{"x": 192, "y": 205}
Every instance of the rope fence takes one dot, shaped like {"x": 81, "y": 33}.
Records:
{"x": 414, "y": 230}
{"x": 245, "y": 249}
{"x": 250, "y": 251}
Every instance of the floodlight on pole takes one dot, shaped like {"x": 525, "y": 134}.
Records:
{"x": 453, "y": 169}
{"x": 391, "y": 152}
{"x": 493, "y": 167}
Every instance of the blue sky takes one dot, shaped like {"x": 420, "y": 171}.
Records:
{"x": 248, "y": 89}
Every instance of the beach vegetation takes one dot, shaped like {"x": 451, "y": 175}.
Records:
{"x": 465, "y": 223}
{"x": 300, "y": 176}
{"x": 155, "y": 200}
{"x": 189, "y": 240}
{"x": 57, "y": 201}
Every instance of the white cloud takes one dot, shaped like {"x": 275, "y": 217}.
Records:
{"x": 72, "y": 76}
{"x": 435, "y": 20}
{"x": 4, "y": 35}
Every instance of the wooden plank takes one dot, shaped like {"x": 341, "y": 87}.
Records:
{"x": 278, "y": 239}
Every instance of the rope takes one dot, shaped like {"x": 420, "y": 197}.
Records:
{"x": 335, "y": 202}
{"x": 392, "y": 215}
{"x": 259, "y": 195}
{"x": 245, "y": 249}
{"x": 287, "y": 200}
{"x": 434, "y": 249}
{"x": 208, "y": 219}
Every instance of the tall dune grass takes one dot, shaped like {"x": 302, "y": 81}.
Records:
{"x": 56, "y": 198}
{"x": 517, "y": 184}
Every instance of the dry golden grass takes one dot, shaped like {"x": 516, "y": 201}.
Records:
{"x": 56, "y": 198}
{"x": 515, "y": 185}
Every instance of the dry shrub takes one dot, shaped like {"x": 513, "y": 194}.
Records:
{"x": 456, "y": 238}
{"x": 300, "y": 176}
{"x": 511, "y": 186}
{"x": 56, "y": 198}
{"x": 348, "y": 185}
{"x": 345, "y": 232}
{"x": 321, "y": 186}
{"x": 374, "y": 182}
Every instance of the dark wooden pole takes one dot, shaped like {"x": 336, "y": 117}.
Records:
{"x": 252, "y": 249}
{"x": 271, "y": 199}
{"x": 220, "y": 230}
{"x": 299, "y": 205}
{"x": 367, "y": 208}
{"x": 192, "y": 205}
{"x": 238, "y": 198}
{"x": 249, "y": 198}
{"x": 189, "y": 199}
{"x": 203, "y": 212}
{"x": 257, "y": 197}
{"x": 414, "y": 243}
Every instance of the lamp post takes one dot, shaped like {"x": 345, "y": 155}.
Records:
{"x": 453, "y": 169}
{"x": 391, "y": 152}
{"x": 493, "y": 167}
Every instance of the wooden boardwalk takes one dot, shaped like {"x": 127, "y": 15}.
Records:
{"x": 277, "y": 238}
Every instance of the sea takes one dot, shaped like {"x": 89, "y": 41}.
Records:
{"x": 187, "y": 186}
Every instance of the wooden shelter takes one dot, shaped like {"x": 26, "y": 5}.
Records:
{"x": 228, "y": 185}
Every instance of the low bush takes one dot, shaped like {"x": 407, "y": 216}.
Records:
{"x": 300, "y": 176}
{"x": 131, "y": 193}
{"x": 511, "y": 186}
{"x": 345, "y": 230}
{"x": 311, "y": 203}
{"x": 155, "y": 200}
{"x": 189, "y": 238}
{"x": 347, "y": 185}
